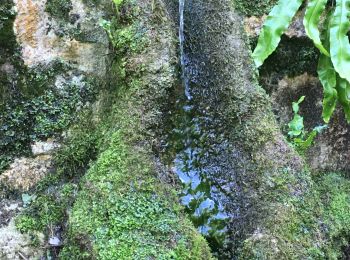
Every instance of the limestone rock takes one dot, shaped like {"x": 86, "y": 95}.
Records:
{"x": 254, "y": 24}
{"x": 25, "y": 173}
{"x": 8, "y": 209}
{"x": 43, "y": 38}
{"x": 14, "y": 245}
{"x": 40, "y": 147}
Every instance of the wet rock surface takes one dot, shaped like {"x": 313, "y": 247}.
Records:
{"x": 223, "y": 155}
{"x": 330, "y": 149}
{"x": 254, "y": 24}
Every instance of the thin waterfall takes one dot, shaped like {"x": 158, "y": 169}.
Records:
{"x": 182, "y": 49}
{"x": 200, "y": 196}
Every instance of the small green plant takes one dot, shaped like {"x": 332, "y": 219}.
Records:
{"x": 334, "y": 62}
{"x": 59, "y": 8}
{"x": 297, "y": 134}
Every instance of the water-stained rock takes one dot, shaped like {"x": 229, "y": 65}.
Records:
{"x": 44, "y": 38}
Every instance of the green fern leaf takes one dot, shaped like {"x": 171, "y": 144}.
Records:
{"x": 312, "y": 19}
{"x": 275, "y": 25}
{"x": 118, "y": 2}
{"x": 339, "y": 41}
{"x": 328, "y": 77}
{"x": 343, "y": 88}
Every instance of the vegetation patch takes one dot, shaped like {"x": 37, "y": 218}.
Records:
{"x": 120, "y": 209}
{"x": 255, "y": 7}
{"x": 7, "y": 16}
{"x": 131, "y": 215}
{"x": 332, "y": 42}
{"x": 41, "y": 114}
{"x": 313, "y": 226}
{"x": 59, "y": 8}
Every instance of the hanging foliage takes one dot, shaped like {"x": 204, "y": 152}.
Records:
{"x": 334, "y": 63}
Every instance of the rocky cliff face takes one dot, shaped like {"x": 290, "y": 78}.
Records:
{"x": 56, "y": 125}
{"x": 54, "y": 57}
{"x": 89, "y": 95}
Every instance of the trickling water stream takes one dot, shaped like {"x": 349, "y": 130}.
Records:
{"x": 182, "y": 47}
{"x": 202, "y": 194}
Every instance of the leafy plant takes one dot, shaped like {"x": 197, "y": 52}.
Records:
{"x": 297, "y": 134}
{"x": 334, "y": 62}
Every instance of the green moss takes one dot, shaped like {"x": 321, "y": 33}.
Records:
{"x": 122, "y": 210}
{"x": 55, "y": 194}
{"x": 91, "y": 2}
{"x": 255, "y": 7}
{"x": 130, "y": 214}
{"x": 38, "y": 119}
{"x": 59, "y": 8}
{"x": 43, "y": 213}
{"x": 8, "y": 50}
{"x": 7, "y": 16}
{"x": 315, "y": 226}
{"x": 41, "y": 114}
{"x": 73, "y": 158}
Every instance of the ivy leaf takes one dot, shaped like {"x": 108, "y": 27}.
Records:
{"x": 339, "y": 41}
{"x": 275, "y": 25}
{"x": 343, "y": 88}
{"x": 296, "y": 126}
{"x": 302, "y": 144}
{"x": 311, "y": 20}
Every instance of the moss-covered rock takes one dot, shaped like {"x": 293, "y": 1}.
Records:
{"x": 316, "y": 227}
{"x": 59, "y": 8}
{"x": 122, "y": 210}
{"x": 7, "y": 16}
{"x": 131, "y": 215}
{"x": 47, "y": 76}
{"x": 255, "y": 7}
{"x": 271, "y": 190}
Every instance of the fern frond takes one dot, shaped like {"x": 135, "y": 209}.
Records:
{"x": 275, "y": 25}
{"x": 328, "y": 77}
{"x": 343, "y": 88}
{"x": 339, "y": 41}
{"x": 311, "y": 20}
